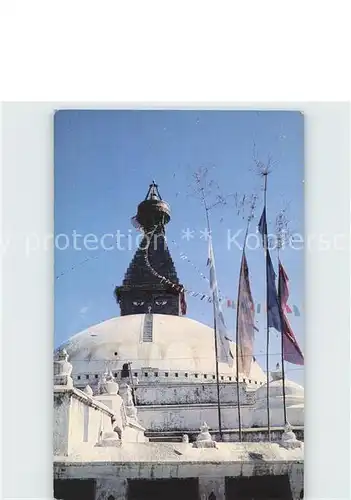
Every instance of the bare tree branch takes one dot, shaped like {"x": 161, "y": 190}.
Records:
{"x": 262, "y": 168}
{"x": 282, "y": 231}
{"x": 207, "y": 189}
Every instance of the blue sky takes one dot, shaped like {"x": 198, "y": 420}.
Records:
{"x": 104, "y": 163}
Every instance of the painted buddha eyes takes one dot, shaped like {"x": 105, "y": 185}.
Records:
{"x": 158, "y": 302}
{"x": 161, "y": 302}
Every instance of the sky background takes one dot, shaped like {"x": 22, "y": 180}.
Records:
{"x": 104, "y": 163}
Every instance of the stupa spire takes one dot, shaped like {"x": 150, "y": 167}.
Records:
{"x": 153, "y": 192}
{"x": 143, "y": 291}
{"x": 153, "y": 213}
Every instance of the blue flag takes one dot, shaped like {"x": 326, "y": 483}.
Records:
{"x": 262, "y": 227}
{"x": 273, "y": 312}
{"x": 272, "y": 297}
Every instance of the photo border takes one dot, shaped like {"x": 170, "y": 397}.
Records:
{"x": 28, "y": 285}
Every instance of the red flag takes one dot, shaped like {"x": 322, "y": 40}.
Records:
{"x": 291, "y": 350}
{"x": 283, "y": 285}
{"x": 288, "y": 309}
{"x": 284, "y": 289}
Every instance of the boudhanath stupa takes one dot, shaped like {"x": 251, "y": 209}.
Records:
{"x": 136, "y": 403}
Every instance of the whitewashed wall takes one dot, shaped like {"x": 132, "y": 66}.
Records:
{"x": 61, "y": 423}
{"x": 187, "y": 406}
{"x": 186, "y": 418}
{"x": 77, "y": 419}
{"x": 162, "y": 394}
{"x": 86, "y": 422}
{"x": 133, "y": 434}
{"x": 189, "y": 418}
{"x": 295, "y": 415}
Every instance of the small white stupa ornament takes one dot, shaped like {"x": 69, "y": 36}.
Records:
{"x": 126, "y": 394}
{"x": 109, "y": 384}
{"x": 277, "y": 374}
{"x": 62, "y": 369}
{"x": 204, "y": 438}
{"x": 289, "y": 440}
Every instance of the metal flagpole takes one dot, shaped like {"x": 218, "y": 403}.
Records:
{"x": 215, "y": 337}
{"x": 281, "y": 313}
{"x": 267, "y": 294}
{"x": 217, "y": 380}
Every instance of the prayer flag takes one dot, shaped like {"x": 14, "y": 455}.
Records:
{"x": 246, "y": 320}
{"x": 291, "y": 350}
{"x": 223, "y": 349}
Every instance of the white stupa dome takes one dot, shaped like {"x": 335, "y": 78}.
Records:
{"x": 179, "y": 347}
{"x": 294, "y": 393}
{"x": 294, "y": 400}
